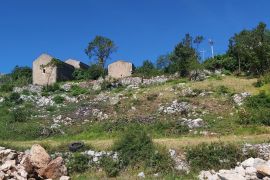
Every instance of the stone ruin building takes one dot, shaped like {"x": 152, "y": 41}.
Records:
{"x": 47, "y": 75}
{"x": 120, "y": 69}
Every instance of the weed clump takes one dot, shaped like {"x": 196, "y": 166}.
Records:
{"x": 58, "y": 99}
{"x": 214, "y": 156}
{"x": 78, "y": 163}
{"x": 256, "y": 110}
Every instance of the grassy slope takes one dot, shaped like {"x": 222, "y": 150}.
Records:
{"x": 218, "y": 106}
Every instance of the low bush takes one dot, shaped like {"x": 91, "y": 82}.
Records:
{"x": 58, "y": 99}
{"x": 7, "y": 87}
{"x": 214, "y": 156}
{"x": 256, "y": 110}
{"x": 78, "y": 163}
{"x": 136, "y": 147}
{"x": 254, "y": 116}
{"x": 13, "y": 98}
{"x": 105, "y": 85}
{"x": 152, "y": 97}
{"x": 258, "y": 101}
{"x": 80, "y": 74}
{"x": 264, "y": 79}
{"x": 220, "y": 90}
{"x": 51, "y": 88}
{"x": 110, "y": 166}
{"x": 77, "y": 90}
{"x": 19, "y": 115}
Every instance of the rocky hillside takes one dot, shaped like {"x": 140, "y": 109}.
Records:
{"x": 177, "y": 113}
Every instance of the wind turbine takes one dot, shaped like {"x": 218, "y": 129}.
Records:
{"x": 211, "y": 43}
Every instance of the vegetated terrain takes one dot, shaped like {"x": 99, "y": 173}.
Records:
{"x": 56, "y": 115}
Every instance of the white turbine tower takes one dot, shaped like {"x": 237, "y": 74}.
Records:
{"x": 211, "y": 43}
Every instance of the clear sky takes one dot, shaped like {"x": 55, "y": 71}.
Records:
{"x": 142, "y": 29}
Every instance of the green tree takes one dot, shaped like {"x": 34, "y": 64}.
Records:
{"x": 251, "y": 50}
{"x": 163, "y": 61}
{"x": 100, "y": 48}
{"x": 184, "y": 57}
{"x": 148, "y": 69}
{"x": 21, "y": 75}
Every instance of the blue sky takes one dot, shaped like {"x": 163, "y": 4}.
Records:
{"x": 142, "y": 29}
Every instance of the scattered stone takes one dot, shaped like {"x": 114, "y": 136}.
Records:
{"x": 65, "y": 178}
{"x": 197, "y": 75}
{"x": 141, "y": 175}
{"x": 239, "y": 98}
{"x": 180, "y": 162}
{"x": 176, "y": 107}
{"x": 193, "y": 123}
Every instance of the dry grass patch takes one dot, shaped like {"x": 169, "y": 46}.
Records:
{"x": 237, "y": 84}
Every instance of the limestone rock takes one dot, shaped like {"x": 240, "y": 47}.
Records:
{"x": 229, "y": 176}
{"x": 64, "y": 178}
{"x": 7, "y": 165}
{"x": 39, "y": 157}
{"x": 248, "y": 163}
{"x": 55, "y": 169}
{"x": 264, "y": 170}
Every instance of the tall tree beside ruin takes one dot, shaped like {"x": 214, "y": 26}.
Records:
{"x": 100, "y": 49}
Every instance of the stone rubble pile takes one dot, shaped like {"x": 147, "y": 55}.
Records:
{"x": 155, "y": 80}
{"x": 239, "y": 98}
{"x": 250, "y": 169}
{"x": 180, "y": 163}
{"x": 193, "y": 123}
{"x": 95, "y": 156}
{"x": 30, "y": 88}
{"x": 33, "y": 164}
{"x": 262, "y": 150}
{"x": 136, "y": 81}
{"x": 176, "y": 107}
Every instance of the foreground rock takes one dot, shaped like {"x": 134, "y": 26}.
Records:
{"x": 239, "y": 98}
{"x": 34, "y": 165}
{"x": 250, "y": 169}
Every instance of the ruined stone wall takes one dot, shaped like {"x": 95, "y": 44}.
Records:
{"x": 76, "y": 64}
{"x": 120, "y": 69}
{"x": 44, "y": 75}
{"x": 64, "y": 72}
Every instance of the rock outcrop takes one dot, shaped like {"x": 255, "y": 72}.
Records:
{"x": 250, "y": 169}
{"x": 36, "y": 164}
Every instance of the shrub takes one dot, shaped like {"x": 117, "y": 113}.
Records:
{"x": 136, "y": 147}
{"x": 19, "y": 115}
{"x": 77, "y": 90}
{"x": 258, "y": 101}
{"x": 110, "y": 166}
{"x": 81, "y": 74}
{"x": 152, "y": 97}
{"x": 105, "y": 85}
{"x": 214, "y": 156}
{"x": 14, "y": 98}
{"x": 78, "y": 163}
{"x": 254, "y": 116}
{"x": 7, "y": 87}
{"x": 58, "y": 99}
{"x": 51, "y": 88}
{"x": 222, "y": 90}
{"x": 95, "y": 71}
